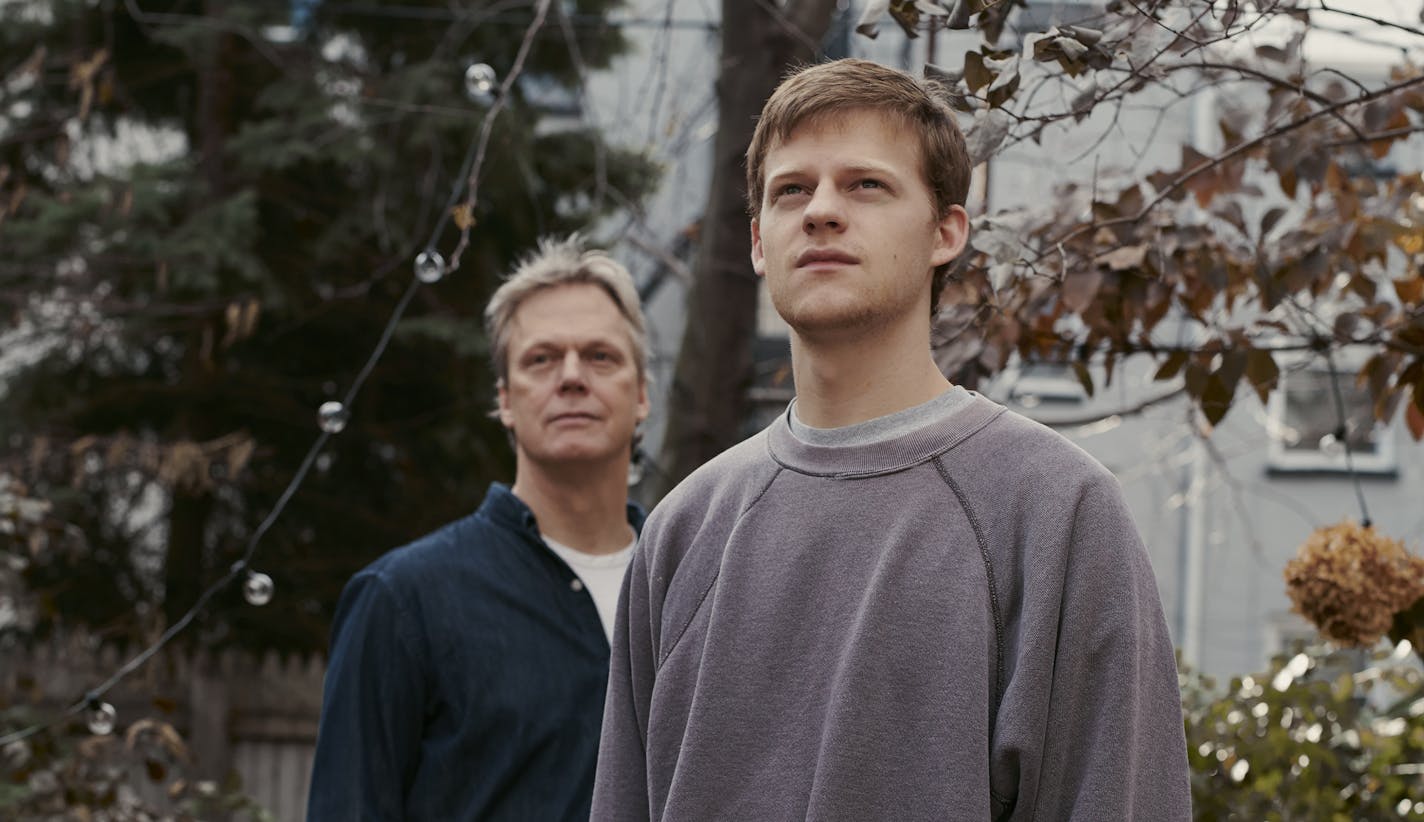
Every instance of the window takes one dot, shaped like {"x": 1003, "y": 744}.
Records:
{"x": 1305, "y": 423}
{"x": 1039, "y": 383}
{"x": 1287, "y": 632}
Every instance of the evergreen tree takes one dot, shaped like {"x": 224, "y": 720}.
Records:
{"x": 208, "y": 212}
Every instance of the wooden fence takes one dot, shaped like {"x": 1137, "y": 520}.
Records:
{"x": 237, "y": 712}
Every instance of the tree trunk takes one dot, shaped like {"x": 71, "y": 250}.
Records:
{"x": 185, "y": 572}
{"x": 708, "y": 398}
{"x": 188, "y": 569}
{"x": 214, "y": 115}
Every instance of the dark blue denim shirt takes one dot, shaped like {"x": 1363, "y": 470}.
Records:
{"x": 466, "y": 680}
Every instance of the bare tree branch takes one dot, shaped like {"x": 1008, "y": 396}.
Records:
{"x": 1128, "y": 411}
{"x": 1389, "y": 24}
{"x": 1234, "y": 151}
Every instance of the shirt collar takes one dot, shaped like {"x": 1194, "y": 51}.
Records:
{"x": 504, "y": 508}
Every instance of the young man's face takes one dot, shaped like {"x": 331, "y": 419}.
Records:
{"x": 573, "y": 392}
{"x": 848, "y": 237}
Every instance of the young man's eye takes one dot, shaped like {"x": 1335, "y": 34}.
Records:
{"x": 870, "y": 184}
{"x": 790, "y": 189}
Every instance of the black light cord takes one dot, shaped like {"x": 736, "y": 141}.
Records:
{"x": 468, "y": 182}
{"x": 1342, "y": 436}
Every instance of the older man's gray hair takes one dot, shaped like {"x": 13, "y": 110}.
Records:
{"x": 558, "y": 263}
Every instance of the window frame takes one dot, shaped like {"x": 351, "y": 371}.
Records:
{"x": 1054, "y": 390}
{"x": 1282, "y": 459}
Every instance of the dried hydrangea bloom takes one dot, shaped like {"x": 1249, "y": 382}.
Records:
{"x": 1350, "y": 580}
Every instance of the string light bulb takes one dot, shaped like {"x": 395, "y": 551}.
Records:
{"x": 429, "y": 267}
{"x": 101, "y": 717}
{"x": 332, "y": 417}
{"x": 257, "y": 588}
{"x": 480, "y": 81}
{"x": 16, "y": 755}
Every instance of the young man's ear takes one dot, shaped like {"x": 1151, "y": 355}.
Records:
{"x": 758, "y": 259}
{"x": 951, "y": 235}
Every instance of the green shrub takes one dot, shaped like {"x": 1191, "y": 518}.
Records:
{"x": 1322, "y": 735}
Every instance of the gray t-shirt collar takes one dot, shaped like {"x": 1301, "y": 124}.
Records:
{"x": 880, "y": 429}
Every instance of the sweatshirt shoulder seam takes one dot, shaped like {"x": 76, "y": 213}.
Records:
{"x": 994, "y": 605}
{"x": 711, "y": 583}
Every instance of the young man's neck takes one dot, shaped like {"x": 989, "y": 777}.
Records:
{"x": 853, "y": 378}
{"x": 581, "y": 505}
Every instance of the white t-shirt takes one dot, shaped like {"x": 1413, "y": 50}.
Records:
{"x": 601, "y": 574}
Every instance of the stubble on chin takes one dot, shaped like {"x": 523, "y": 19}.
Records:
{"x": 815, "y": 317}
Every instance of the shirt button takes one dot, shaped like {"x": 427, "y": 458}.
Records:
{"x": 576, "y": 584}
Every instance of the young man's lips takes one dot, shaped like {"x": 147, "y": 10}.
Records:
{"x": 573, "y": 416}
{"x": 824, "y": 257}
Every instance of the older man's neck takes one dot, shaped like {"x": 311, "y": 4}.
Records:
{"x": 582, "y": 505}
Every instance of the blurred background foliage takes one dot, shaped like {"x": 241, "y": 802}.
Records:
{"x": 67, "y": 773}
{"x": 207, "y": 214}
{"x": 1324, "y": 734}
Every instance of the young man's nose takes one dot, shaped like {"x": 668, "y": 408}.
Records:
{"x": 826, "y": 210}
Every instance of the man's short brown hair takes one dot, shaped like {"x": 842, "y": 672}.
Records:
{"x": 820, "y": 91}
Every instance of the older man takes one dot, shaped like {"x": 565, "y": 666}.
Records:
{"x": 468, "y": 668}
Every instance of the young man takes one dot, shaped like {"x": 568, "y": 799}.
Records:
{"x": 468, "y": 668}
{"x": 899, "y": 601}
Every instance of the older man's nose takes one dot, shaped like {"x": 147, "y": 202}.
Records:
{"x": 571, "y": 372}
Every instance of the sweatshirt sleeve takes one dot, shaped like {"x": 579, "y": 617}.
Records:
{"x": 1114, "y": 745}
{"x": 620, "y": 790}
{"x": 372, "y": 713}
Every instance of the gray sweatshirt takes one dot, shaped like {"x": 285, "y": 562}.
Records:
{"x": 957, "y": 623}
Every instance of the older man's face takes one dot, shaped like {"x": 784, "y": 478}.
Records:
{"x": 573, "y": 392}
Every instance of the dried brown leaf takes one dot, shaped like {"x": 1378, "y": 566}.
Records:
{"x": 463, "y": 216}
{"x": 1262, "y": 372}
{"x": 1414, "y": 419}
{"x": 1171, "y": 366}
{"x": 1079, "y": 289}
{"x": 975, "y": 74}
{"x": 1122, "y": 259}
{"x": 250, "y": 314}
{"x": 1411, "y": 291}
{"x": 1269, "y": 221}
{"x": 239, "y": 455}
{"x": 907, "y": 14}
{"x": 32, "y": 64}
{"x": 1216, "y": 398}
{"x": 1085, "y": 378}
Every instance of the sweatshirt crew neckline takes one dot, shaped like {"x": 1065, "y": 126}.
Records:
{"x": 880, "y": 429}
{"x": 884, "y": 456}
